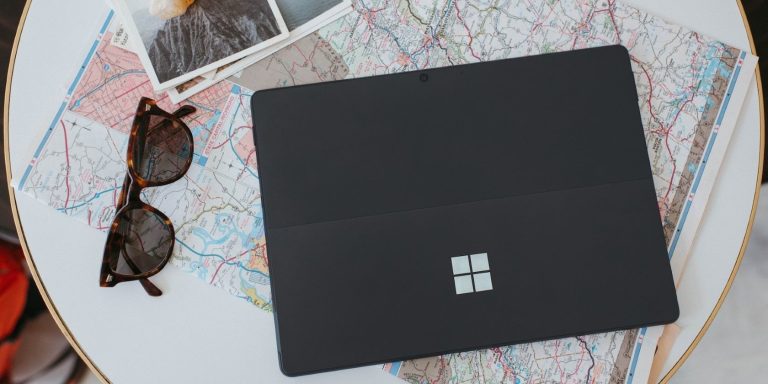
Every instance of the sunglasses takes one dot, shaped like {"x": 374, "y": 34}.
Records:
{"x": 141, "y": 238}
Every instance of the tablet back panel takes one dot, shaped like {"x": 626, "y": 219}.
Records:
{"x": 373, "y": 189}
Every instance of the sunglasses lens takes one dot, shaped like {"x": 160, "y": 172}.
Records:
{"x": 163, "y": 150}
{"x": 143, "y": 242}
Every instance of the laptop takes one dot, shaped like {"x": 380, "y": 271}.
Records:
{"x": 459, "y": 208}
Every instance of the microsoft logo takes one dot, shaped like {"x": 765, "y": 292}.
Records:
{"x": 471, "y": 273}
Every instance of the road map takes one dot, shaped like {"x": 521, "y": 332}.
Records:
{"x": 690, "y": 88}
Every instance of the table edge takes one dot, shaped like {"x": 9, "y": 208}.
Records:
{"x": 103, "y": 378}
{"x": 14, "y": 209}
{"x": 748, "y": 232}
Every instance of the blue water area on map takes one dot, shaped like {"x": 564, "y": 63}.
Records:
{"x": 715, "y": 68}
{"x": 107, "y": 67}
{"x": 224, "y": 230}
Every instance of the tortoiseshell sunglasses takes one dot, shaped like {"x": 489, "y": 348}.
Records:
{"x": 141, "y": 238}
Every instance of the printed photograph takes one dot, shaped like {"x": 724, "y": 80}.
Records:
{"x": 300, "y": 12}
{"x": 302, "y": 17}
{"x": 186, "y": 38}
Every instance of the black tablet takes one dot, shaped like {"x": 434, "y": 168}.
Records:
{"x": 459, "y": 208}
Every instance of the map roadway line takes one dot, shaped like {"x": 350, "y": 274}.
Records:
{"x": 102, "y": 85}
{"x": 229, "y": 132}
{"x": 84, "y": 203}
{"x": 223, "y": 260}
{"x": 66, "y": 156}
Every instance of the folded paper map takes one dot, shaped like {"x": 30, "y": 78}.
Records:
{"x": 690, "y": 89}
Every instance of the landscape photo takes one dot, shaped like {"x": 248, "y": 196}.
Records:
{"x": 300, "y": 12}
{"x": 302, "y": 17}
{"x": 186, "y": 38}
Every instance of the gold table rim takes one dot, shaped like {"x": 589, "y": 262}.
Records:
{"x": 103, "y": 378}
{"x": 748, "y": 232}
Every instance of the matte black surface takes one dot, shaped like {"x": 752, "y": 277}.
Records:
{"x": 370, "y": 186}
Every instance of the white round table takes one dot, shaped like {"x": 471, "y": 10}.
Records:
{"x": 195, "y": 333}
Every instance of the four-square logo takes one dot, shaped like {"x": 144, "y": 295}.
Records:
{"x": 471, "y": 273}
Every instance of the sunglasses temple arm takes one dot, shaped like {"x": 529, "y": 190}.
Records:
{"x": 184, "y": 111}
{"x": 151, "y": 289}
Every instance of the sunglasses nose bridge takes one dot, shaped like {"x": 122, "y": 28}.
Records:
{"x": 134, "y": 191}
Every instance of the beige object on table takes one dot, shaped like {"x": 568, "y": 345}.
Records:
{"x": 168, "y": 9}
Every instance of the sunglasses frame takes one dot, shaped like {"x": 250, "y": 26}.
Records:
{"x": 130, "y": 197}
